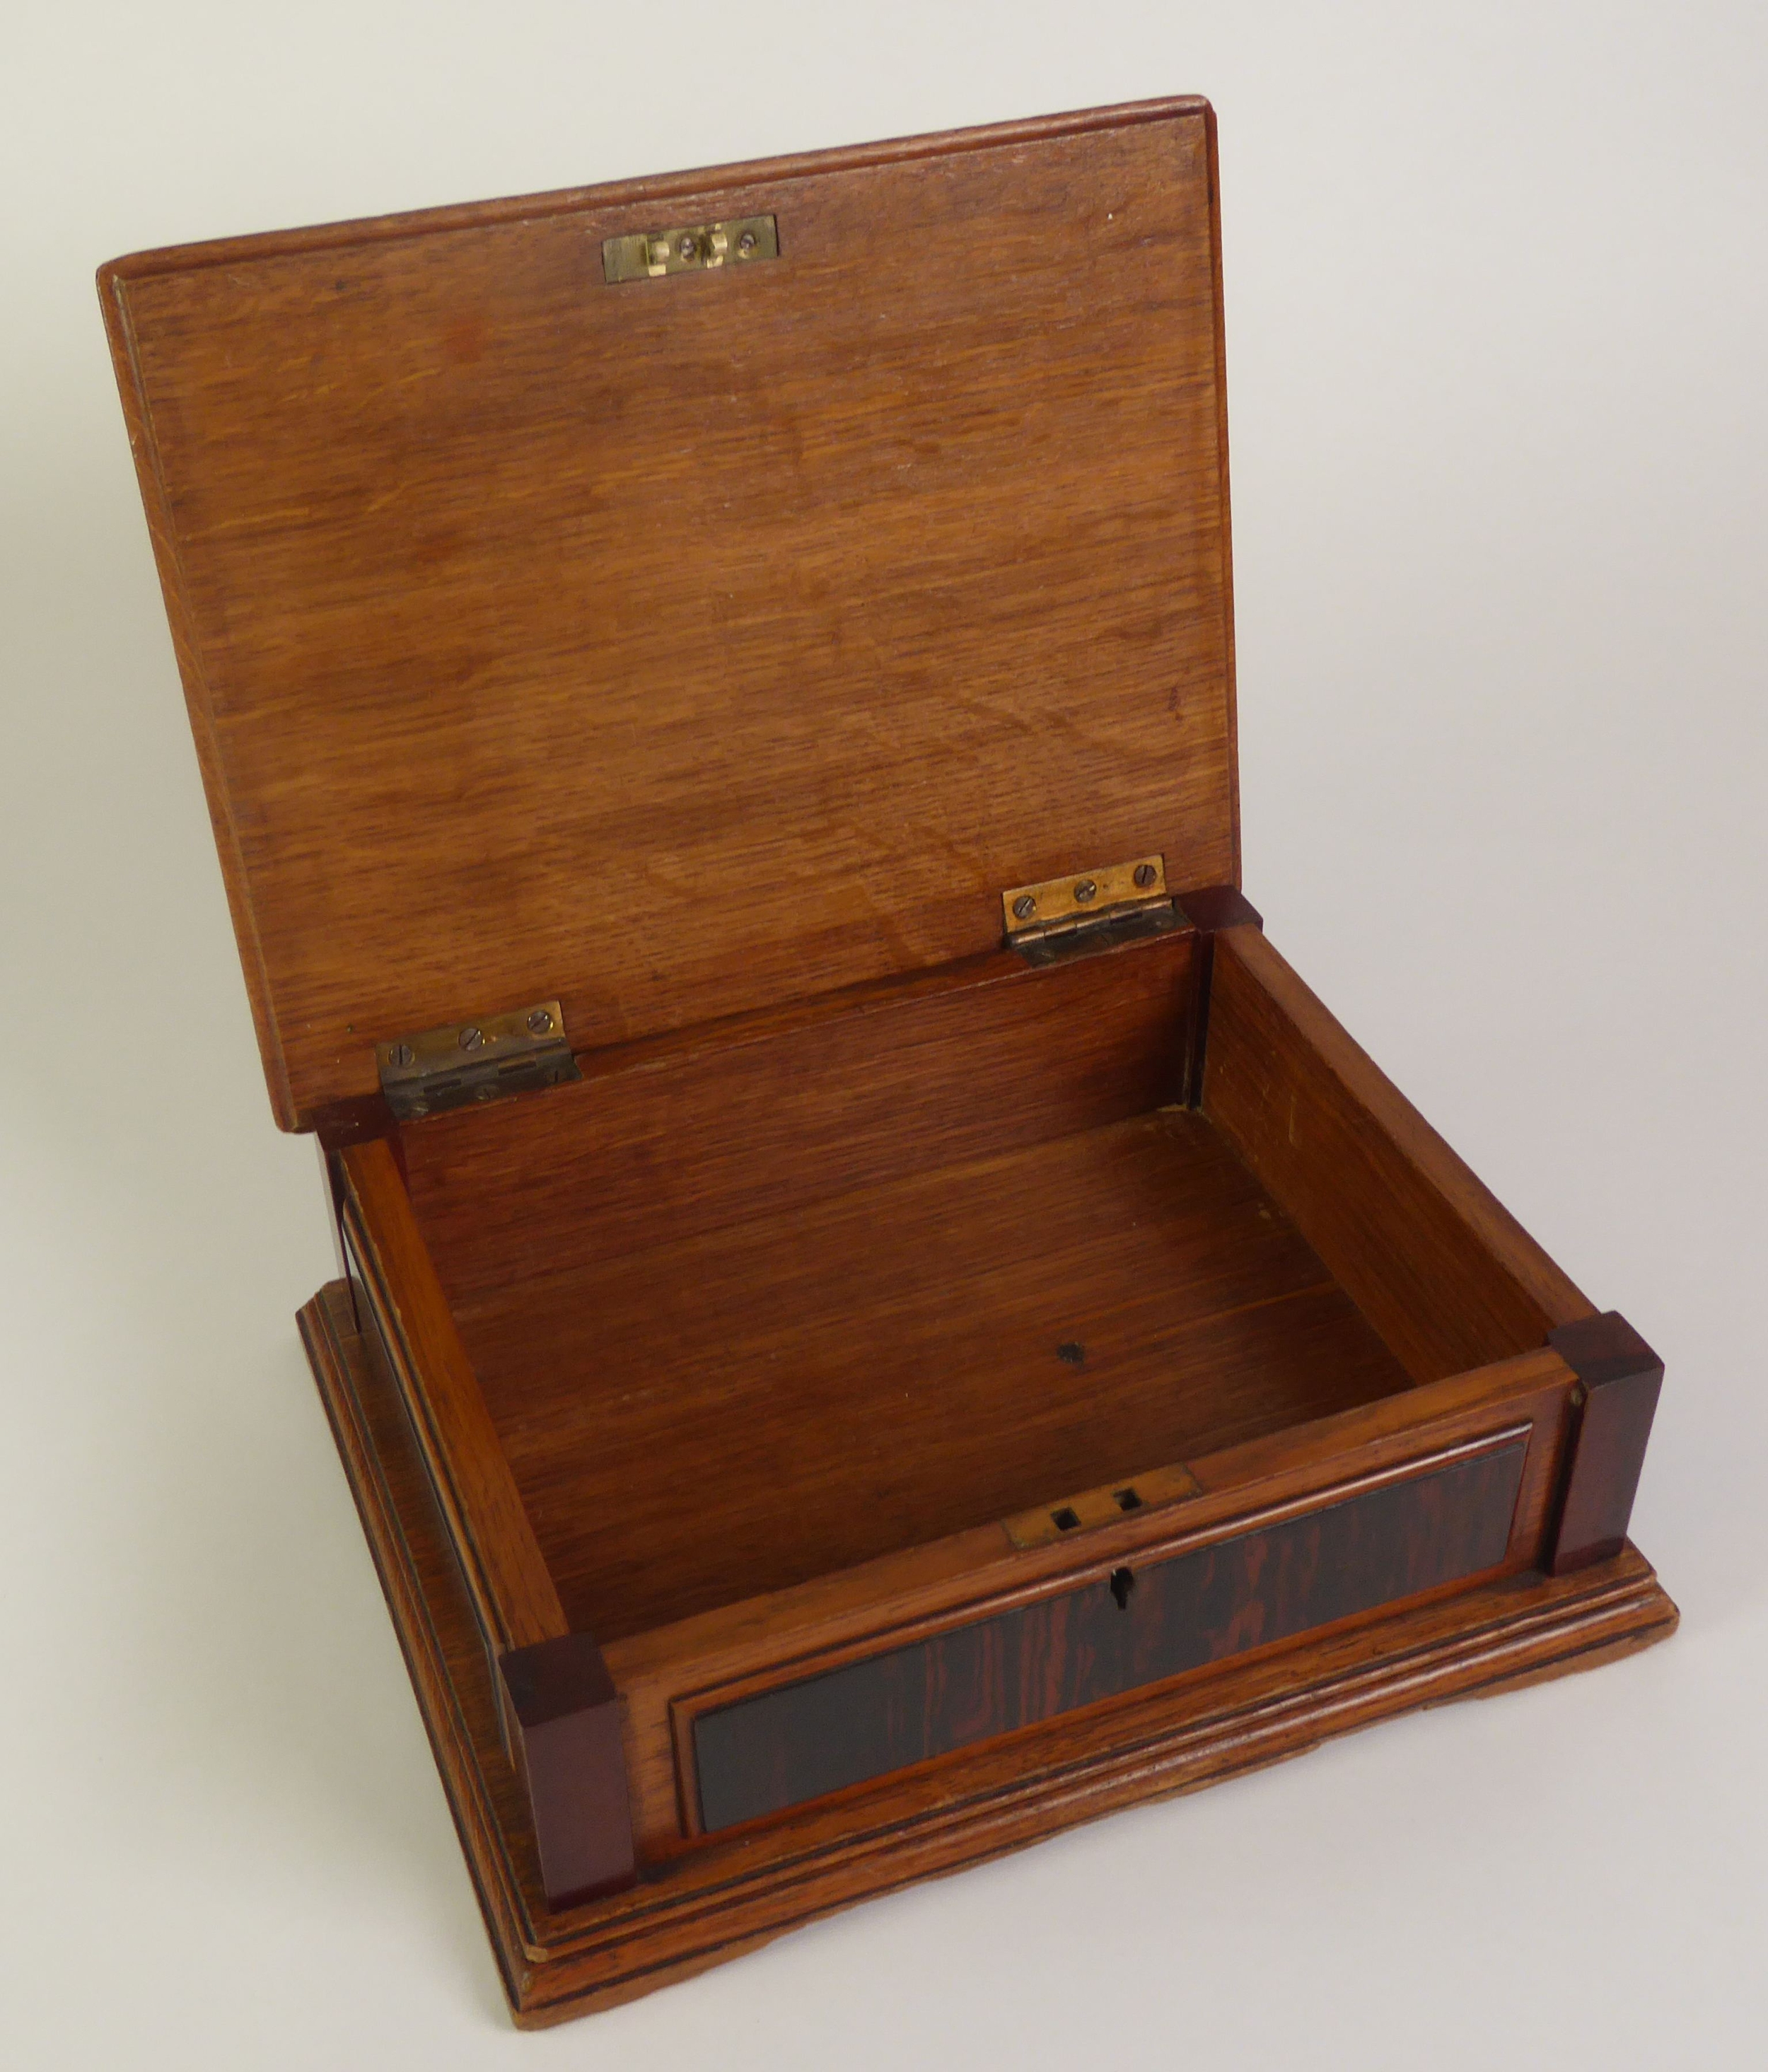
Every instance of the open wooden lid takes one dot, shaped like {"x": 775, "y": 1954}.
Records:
{"x": 675, "y": 646}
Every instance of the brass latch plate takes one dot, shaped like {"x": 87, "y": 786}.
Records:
{"x": 1123, "y": 899}
{"x": 1108, "y": 1505}
{"x": 468, "y": 1061}
{"x": 690, "y": 248}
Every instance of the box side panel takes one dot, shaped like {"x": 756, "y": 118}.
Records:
{"x": 664, "y": 1142}
{"x": 1440, "y": 1267}
{"x": 511, "y": 1587}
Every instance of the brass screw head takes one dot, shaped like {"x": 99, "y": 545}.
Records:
{"x": 1145, "y": 875}
{"x": 686, "y": 248}
{"x": 1085, "y": 889}
{"x": 747, "y": 242}
{"x": 1024, "y": 907}
{"x": 539, "y": 1022}
{"x": 400, "y": 1054}
{"x": 471, "y": 1038}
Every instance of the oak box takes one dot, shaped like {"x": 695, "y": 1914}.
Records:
{"x": 879, "y": 1318}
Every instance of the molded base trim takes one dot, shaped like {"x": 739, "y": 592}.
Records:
{"x": 702, "y": 1908}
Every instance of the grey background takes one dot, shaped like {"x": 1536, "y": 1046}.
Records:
{"x": 1496, "y": 303}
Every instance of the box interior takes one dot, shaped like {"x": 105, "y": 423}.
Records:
{"x": 761, "y": 1304}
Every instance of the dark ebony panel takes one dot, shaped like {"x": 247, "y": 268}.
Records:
{"x": 787, "y": 1745}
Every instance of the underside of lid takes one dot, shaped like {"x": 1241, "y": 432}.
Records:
{"x": 671, "y": 645}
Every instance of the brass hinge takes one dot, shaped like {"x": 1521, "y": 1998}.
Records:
{"x": 1089, "y": 908}
{"x": 476, "y": 1060}
{"x": 691, "y": 247}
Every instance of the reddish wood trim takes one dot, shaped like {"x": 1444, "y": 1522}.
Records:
{"x": 433, "y": 1617}
{"x": 1442, "y": 1270}
{"x": 1207, "y": 908}
{"x": 1620, "y": 1377}
{"x": 331, "y": 1179}
{"x": 565, "y": 1715}
{"x": 652, "y": 188}
{"x": 352, "y": 1122}
{"x": 357, "y": 1121}
{"x": 501, "y": 1557}
{"x": 1229, "y": 682}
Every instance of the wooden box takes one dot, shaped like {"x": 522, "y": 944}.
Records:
{"x": 880, "y": 1317}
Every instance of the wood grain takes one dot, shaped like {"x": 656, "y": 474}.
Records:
{"x": 724, "y": 1898}
{"x": 1209, "y": 909}
{"x": 1620, "y": 1377}
{"x": 438, "y": 1628}
{"x": 710, "y": 653}
{"x": 563, "y": 1716}
{"x": 801, "y": 1740}
{"x": 730, "y": 1413}
{"x": 511, "y": 1585}
{"x": 667, "y": 1674}
{"x": 666, "y": 1140}
{"x": 680, "y": 647}
{"x": 1443, "y": 1271}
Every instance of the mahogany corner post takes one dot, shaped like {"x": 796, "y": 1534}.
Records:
{"x": 1620, "y": 1376}
{"x": 1208, "y": 908}
{"x": 564, "y": 1720}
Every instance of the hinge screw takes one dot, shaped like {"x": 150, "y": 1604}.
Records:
{"x": 539, "y": 1022}
{"x": 686, "y": 248}
{"x": 1145, "y": 875}
{"x": 1085, "y": 889}
{"x": 471, "y": 1038}
{"x": 1024, "y": 907}
{"x": 400, "y": 1054}
{"x": 746, "y": 243}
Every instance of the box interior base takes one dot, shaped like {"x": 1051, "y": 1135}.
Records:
{"x": 741, "y": 1409}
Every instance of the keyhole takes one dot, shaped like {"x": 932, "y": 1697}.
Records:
{"x": 1123, "y": 1582}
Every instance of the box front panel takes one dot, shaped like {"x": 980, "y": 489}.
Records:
{"x": 914, "y": 1682}
{"x": 1144, "y": 1623}
{"x": 1139, "y": 1625}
